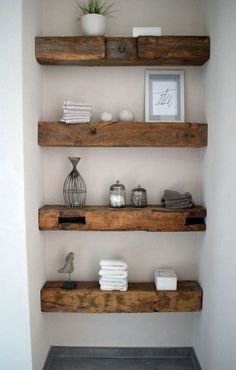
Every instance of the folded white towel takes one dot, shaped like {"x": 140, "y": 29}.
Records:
{"x": 110, "y": 288}
{"x": 113, "y": 273}
{"x": 118, "y": 282}
{"x": 76, "y": 112}
{"x": 81, "y": 120}
{"x": 71, "y": 102}
{"x": 113, "y": 280}
{"x": 113, "y": 264}
{"x": 75, "y": 115}
{"x": 113, "y": 268}
{"x": 70, "y": 109}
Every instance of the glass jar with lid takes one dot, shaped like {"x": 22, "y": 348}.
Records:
{"x": 117, "y": 195}
{"x": 139, "y": 197}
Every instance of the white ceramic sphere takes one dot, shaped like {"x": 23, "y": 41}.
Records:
{"x": 93, "y": 24}
{"x": 126, "y": 115}
{"x": 106, "y": 116}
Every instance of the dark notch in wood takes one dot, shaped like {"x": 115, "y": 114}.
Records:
{"x": 100, "y": 218}
{"x": 195, "y": 221}
{"x": 122, "y": 134}
{"x": 123, "y": 51}
{"x": 72, "y": 220}
{"x": 140, "y": 297}
{"x": 121, "y": 48}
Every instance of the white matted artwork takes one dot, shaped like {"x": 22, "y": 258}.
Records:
{"x": 164, "y": 96}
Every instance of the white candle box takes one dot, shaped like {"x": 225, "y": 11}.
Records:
{"x": 146, "y": 31}
{"x": 165, "y": 279}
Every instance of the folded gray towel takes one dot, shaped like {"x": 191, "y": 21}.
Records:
{"x": 177, "y": 204}
{"x": 178, "y": 201}
{"x": 175, "y": 200}
{"x": 182, "y": 206}
{"x": 175, "y": 195}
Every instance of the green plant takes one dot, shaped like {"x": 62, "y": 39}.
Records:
{"x": 102, "y": 7}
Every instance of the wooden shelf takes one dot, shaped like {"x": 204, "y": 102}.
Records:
{"x": 140, "y": 297}
{"x": 122, "y": 134}
{"x": 100, "y": 218}
{"x": 123, "y": 51}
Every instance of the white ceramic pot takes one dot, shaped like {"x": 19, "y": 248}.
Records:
{"x": 93, "y": 24}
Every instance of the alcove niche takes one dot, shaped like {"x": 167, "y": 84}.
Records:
{"x": 113, "y": 89}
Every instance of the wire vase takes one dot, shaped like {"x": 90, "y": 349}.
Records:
{"x": 74, "y": 189}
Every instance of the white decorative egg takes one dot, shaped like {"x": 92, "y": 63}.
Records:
{"x": 106, "y": 116}
{"x": 126, "y": 115}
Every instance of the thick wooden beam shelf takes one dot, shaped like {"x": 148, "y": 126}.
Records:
{"x": 100, "y": 218}
{"x": 69, "y": 50}
{"x": 123, "y": 51}
{"x": 140, "y": 297}
{"x": 122, "y": 134}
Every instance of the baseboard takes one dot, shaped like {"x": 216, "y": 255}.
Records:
{"x": 111, "y": 352}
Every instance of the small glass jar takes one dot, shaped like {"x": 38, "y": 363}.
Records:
{"x": 139, "y": 197}
{"x": 117, "y": 195}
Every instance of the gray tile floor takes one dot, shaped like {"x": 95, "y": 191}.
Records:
{"x": 95, "y": 358}
{"x": 63, "y": 363}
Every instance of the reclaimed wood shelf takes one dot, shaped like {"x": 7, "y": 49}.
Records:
{"x": 104, "y": 218}
{"x": 123, "y": 134}
{"x": 123, "y": 51}
{"x": 140, "y": 297}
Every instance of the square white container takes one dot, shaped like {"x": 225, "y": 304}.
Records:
{"x": 146, "y": 31}
{"x": 165, "y": 279}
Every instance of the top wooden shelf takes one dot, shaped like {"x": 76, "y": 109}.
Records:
{"x": 123, "y": 51}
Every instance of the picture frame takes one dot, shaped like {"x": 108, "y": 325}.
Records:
{"x": 164, "y": 96}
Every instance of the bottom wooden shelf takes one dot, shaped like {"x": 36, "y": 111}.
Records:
{"x": 140, "y": 297}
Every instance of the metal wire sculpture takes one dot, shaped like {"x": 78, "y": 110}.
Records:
{"x": 74, "y": 189}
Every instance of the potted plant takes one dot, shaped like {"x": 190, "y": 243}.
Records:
{"x": 93, "y": 14}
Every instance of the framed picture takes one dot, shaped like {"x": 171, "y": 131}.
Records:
{"x": 164, "y": 96}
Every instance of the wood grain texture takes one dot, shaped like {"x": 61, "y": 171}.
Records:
{"x": 100, "y": 218}
{"x": 140, "y": 297}
{"x": 69, "y": 50}
{"x": 174, "y": 50}
{"x": 122, "y": 134}
{"x": 123, "y": 51}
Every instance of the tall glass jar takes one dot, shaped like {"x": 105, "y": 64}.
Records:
{"x": 74, "y": 189}
{"x": 117, "y": 195}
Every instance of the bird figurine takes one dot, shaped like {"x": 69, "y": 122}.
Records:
{"x": 68, "y": 268}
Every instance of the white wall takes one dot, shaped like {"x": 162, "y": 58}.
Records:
{"x": 182, "y": 17}
{"x": 112, "y": 89}
{"x": 34, "y": 184}
{"x": 215, "y": 327}
{"x": 15, "y": 343}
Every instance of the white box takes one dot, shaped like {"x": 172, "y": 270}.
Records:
{"x": 165, "y": 279}
{"x": 146, "y": 31}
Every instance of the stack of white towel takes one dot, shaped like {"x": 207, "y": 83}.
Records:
{"x": 113, "y": 275}
{"x": 75, "y": 112}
